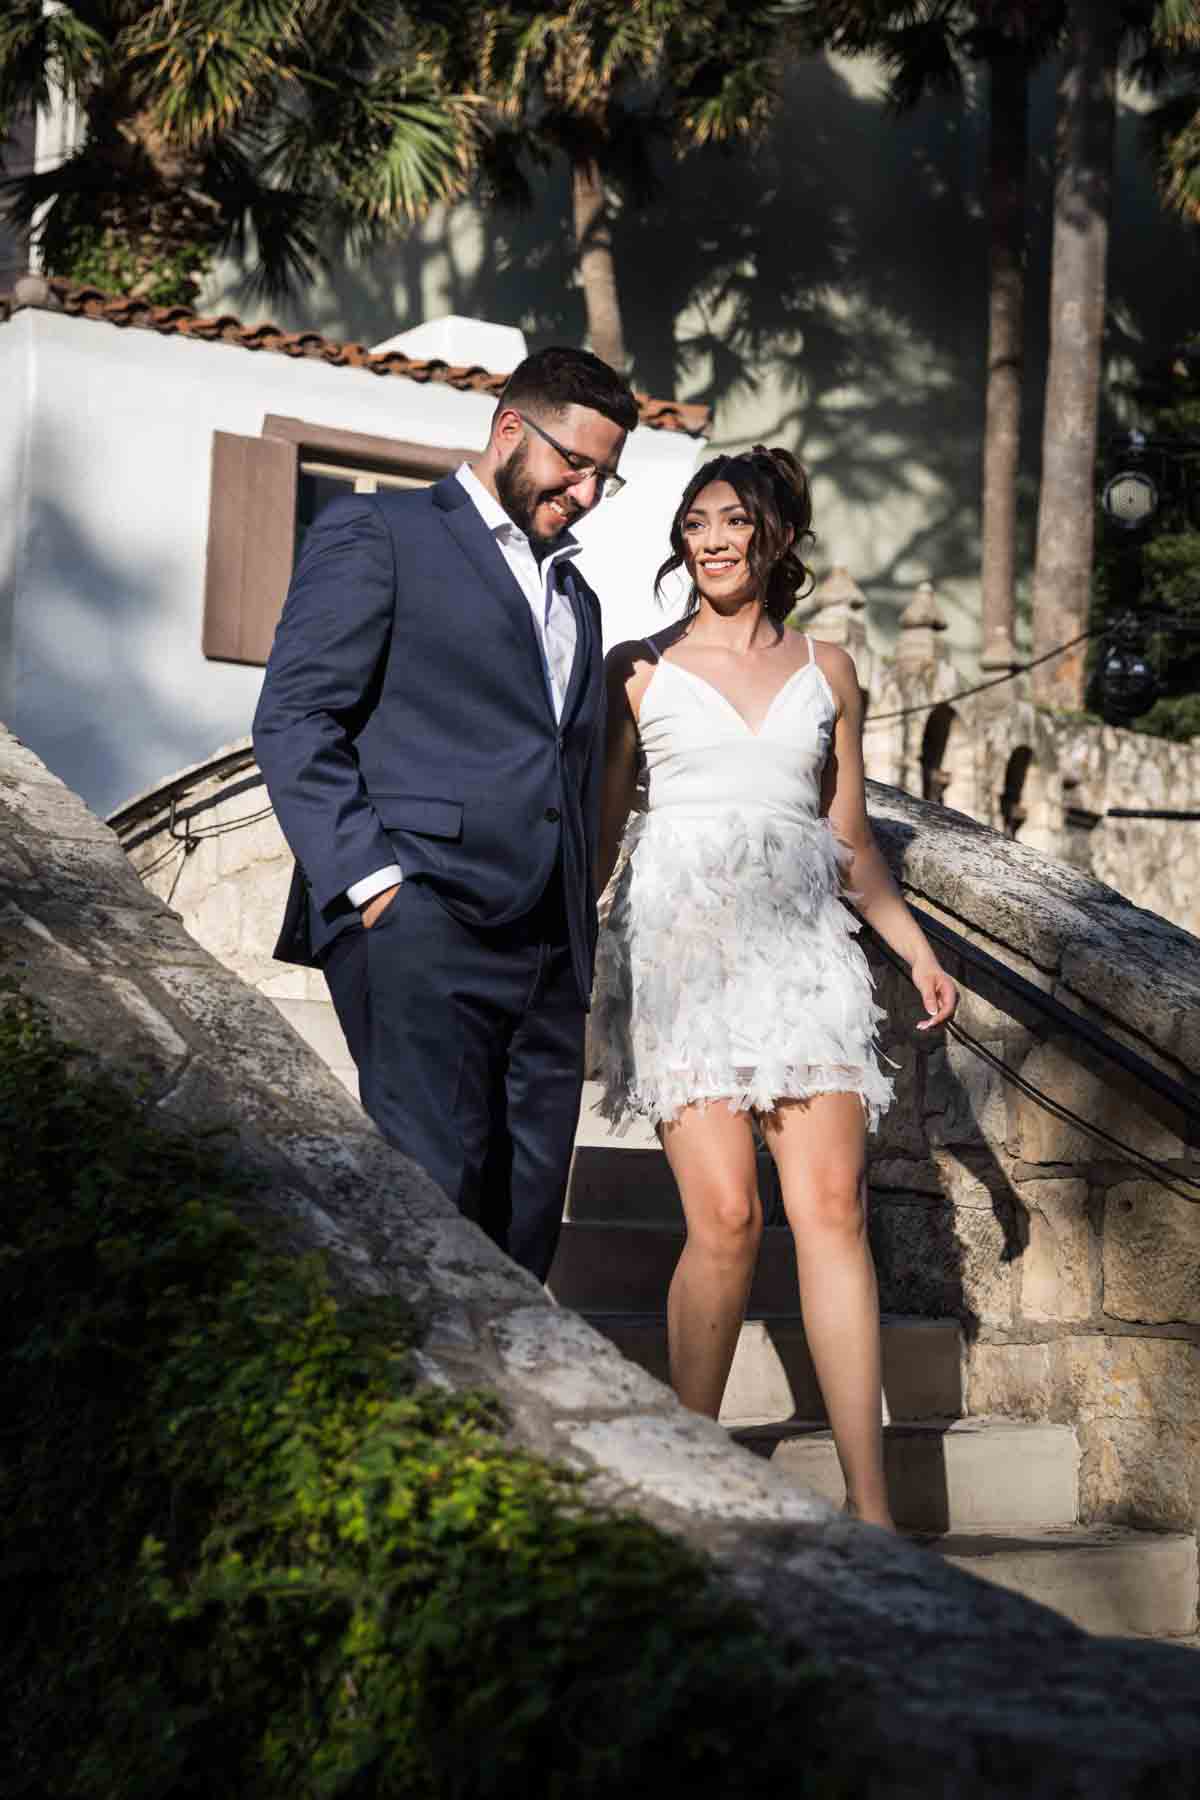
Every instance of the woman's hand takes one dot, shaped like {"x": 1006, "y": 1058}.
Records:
{"x": 938, "y": 992}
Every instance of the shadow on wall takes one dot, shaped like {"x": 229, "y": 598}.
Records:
{"x": 98, "y": 694}
{"x": 827, "y": 291}
{"x": 946, "y": 1222}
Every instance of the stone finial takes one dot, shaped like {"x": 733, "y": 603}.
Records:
{"x": 34, "y": 290}
{"x": 835, "y": 611}
{"x": 920, "y": 623}
{"x": 839, "y": 588}
{"x": 922, "y": 610}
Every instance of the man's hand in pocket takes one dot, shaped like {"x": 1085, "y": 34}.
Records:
{"x": 377, "y": 904}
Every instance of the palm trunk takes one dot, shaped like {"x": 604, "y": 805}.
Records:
{"x": 1082, "y": 205}
{"x": 593, "y": 247}
{"x": 1009, "y": 150}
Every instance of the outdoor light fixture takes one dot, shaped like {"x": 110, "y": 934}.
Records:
{"x": 1130, "y": 499}
{"x": 1128, "y": 684}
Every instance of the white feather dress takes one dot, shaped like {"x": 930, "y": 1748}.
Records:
{"x": 727, "y": 966}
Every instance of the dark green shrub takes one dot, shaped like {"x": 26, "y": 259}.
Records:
{"x": 244, "y": 1557}
{"x": 1167, "y": 402}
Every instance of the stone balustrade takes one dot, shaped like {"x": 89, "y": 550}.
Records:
{"x": 1050, "y": 782}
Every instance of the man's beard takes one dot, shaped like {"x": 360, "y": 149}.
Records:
{"x": 520, "y": 498}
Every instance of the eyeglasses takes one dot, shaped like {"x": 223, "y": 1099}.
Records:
{"x": 581, "y": 467}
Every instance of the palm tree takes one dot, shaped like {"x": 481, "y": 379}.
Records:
{"x": 1173, "y": 128}
{"x": 1085, "y": 133}
{"x": 207, "y": 125}
{"x": 603, "y": 83}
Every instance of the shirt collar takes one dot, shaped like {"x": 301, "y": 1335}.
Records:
{"x": 499, "y": 523}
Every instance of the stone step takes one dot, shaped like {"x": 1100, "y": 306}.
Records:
{"x": 969, "y": 1475}
{"x": 1109, "y": 1579}
{"x": 633, "y": 1184}
{"x": 628, "y": 1268}
{"x": 773, "y": 1379}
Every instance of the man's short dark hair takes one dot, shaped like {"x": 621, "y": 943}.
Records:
{"x": 551, "y": 380}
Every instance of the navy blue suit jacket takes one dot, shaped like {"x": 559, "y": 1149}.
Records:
{"x": 405, "y": 718}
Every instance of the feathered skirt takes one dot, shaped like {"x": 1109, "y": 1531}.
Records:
{"x": 727, "y": 968}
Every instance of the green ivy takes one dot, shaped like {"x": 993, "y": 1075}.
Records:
{"x": 246, "y": 1556}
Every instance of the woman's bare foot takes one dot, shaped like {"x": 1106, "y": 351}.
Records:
{"x": 879, "y": 1516}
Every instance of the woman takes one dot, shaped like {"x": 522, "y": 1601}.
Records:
{"x": 731, "y": 994}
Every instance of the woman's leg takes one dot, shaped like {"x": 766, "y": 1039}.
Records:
{"x": 711, "y": 1153}
{"x": 819, "y": 1149}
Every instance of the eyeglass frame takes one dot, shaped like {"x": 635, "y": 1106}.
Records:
{"x": 612, "y": 483}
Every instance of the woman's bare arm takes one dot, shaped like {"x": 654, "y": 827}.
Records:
{"x": 871, "y": 887}
{"x": 620, "y": 759}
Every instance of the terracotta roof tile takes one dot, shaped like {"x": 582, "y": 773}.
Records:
{"x": 125, "y": 311}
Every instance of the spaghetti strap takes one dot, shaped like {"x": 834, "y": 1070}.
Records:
{"x": 812, "y": 655}
{"x": 652, "y": 647}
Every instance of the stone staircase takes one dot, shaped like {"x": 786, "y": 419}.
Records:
{"x": 998, "y": 1497}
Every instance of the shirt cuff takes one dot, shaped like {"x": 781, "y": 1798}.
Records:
{"x": 359, "y": 892}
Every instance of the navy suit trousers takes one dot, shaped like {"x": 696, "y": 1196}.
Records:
{"x": 469, "y": 1046}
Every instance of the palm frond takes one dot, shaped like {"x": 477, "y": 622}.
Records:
{"x": 202, "y": 64}
{"x": 274, "y": 230}
{"x": 1177, "y": 24}
{"x": 43, "y": 52}
{"x": 1171, "y": 132}
{"x": 383, "y": 149}
{"x": 921, "y": 58}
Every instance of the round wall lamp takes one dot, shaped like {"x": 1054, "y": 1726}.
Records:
{"x": 1130, "y": 499}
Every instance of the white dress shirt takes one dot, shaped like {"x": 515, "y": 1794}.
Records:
{"x": 553, "y": 620}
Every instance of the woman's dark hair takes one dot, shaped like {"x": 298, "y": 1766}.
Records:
{"x": 551, "y": 380}
{"x": 774, "y": 490}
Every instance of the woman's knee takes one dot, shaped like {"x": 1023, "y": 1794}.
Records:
{"x": 835, "y": 1200}
{"x": 725, "y": 1221}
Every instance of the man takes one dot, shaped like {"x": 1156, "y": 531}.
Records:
{"x": 430, "y": 731}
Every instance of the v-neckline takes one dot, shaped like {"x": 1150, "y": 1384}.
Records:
{"x": 743, "y": 721}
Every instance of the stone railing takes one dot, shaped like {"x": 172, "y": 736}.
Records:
{"x": 959, "y": 1687}
{"x": 1074, "y": 1271}
{"x": 1053, "y": 783}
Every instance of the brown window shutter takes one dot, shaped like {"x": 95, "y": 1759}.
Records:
{"x": 251, "y": 545}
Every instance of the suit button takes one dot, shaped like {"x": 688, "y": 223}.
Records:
{"x": 552, "y": 815}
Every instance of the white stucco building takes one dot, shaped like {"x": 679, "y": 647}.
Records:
{"x": 156, "y": 470}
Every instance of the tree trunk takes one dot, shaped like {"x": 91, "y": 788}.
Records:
{"x": 593, "y": 247}
{"x": 1082, "y": 205}
{"x": 1009, "y": 151}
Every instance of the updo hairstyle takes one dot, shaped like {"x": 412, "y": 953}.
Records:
{"x": 773, "y": 488}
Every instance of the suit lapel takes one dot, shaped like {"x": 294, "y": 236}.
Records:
{"x": 585, "y": 638}
{"x": 476, "y": 541}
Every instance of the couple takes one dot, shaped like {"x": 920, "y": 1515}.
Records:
{"x": 454, "y": 775}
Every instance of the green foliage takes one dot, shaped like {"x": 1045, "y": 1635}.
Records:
{"x": 244, "y": 1556}
{"x": 233, "y": 123}
{"x": 116, "y": 260}
{"x": 1168, "y": 402}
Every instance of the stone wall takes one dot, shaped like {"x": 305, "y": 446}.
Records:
{"x": 1076, "y": 1275}
{"x": 1047, "y": 781}
{"x": 958, "y": 1688}
{"x": 207, "y": 843}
